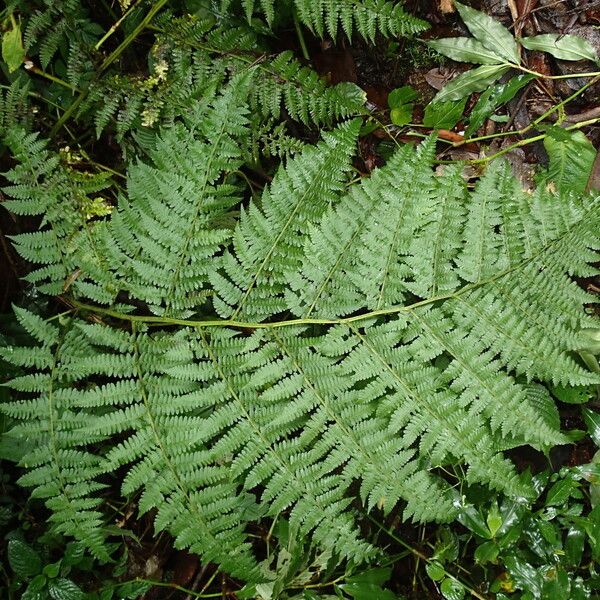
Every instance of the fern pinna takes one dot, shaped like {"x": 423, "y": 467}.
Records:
{"x": 327, "y": 349}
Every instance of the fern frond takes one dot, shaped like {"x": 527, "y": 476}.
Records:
{"x": 268, "y": 240}
{"x": 160, "y": 262}
{"x": 428, "y": 318}
{"x": 61, "y": 470}
{"x": 303, "y": 94}
{"x": 354, "y": 257}
{"x": 367, "y": 17}
{"x": 15, "y": 111}
{"x": 60, "y": 25}
{"x": 163, "y": 419}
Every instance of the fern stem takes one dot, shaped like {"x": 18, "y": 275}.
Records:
{"x": 234, "y": 324}
{"x": 301, "y": 39}
{"x": 422, "y": 556}
{"x": 116, "y": 25}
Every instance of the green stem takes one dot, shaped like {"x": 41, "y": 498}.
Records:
{"x": 116, "y": 53}
{"x": 301, "y": 38}
{"x": 150, "y": 319}
{"x": 422, "y": 556}
{"x": 112, "y": 57}
{"x": 116, "y": 25}
{"x": 52, "y": 78}
{"x": 525, "y": 142}
{"x": 172, "y": 586}
{"x": 537, "y": 121}
{"x": 315, "y": 586}
{"x": 542, "y": 76}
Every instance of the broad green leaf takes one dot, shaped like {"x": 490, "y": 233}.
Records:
{"x": 435, "y": 571}
{"x": 560, "y": 491}
{"x": 574, "y": 545}
{"x": 492, "y": 99}
{"x": 23, "y": 559}
{"x": 13, "y": 52}
{"x": 492, "y": 34}
{"x": 444, "y": 115}
{"x": 402, "y": 95}
{"x": 372, "y": 576}
{"x": 64, "y": 589}
{"x": 591, "y": 524}
{"x": 595, "y": 483}
{"x": 592, "y": 421}
{"x": 452, "y": 589}
{"x": 579, "y": 394}
{"x": 52, "y": 570}
{"x": 401, "y": 115}
{"x": 446, "y": 547}
{"x": 494, "y": 519}
{"x": 471, "y": 81}
{"x": 565, "y": 47}
{"x": 487, "y": 552}
{"x": 38, "y": 584}
{"x": 30, "y": 594}
{"x": 469, "y": 517}
{"x": 524, "y": 575}
{"x": 465, "y": 49}
{"x": 556, "y": 583}
{"x": 571, "y": 158}
{"x": 580, "y": 590}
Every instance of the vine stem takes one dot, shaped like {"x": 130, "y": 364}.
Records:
{"x": 424, "y": 557}
{"x": 525, "y": 142}
{"x": 111, "y": 58}
{"x": 543, "y": 76}
{"x": 537, "y": 121}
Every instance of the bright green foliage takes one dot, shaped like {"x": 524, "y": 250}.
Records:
{"x": 368, "y": 17}
{"x": 269, "y": 237}
{"x": 60, "y": 469}
{"x": 160, "y": 241}
{"x": 427, "y": 316}
{"x": 284, "y": 83}
{"x": 192, "y": 58}
{"x": 182, "y": 77}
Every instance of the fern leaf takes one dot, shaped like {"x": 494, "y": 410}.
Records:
{"x": 60, "y": 468}
{"x": 429, "y": 317}
{"x": 367, "y": 232}
{"x": 164, "y": 265}
{"x": 269, "y": 239}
